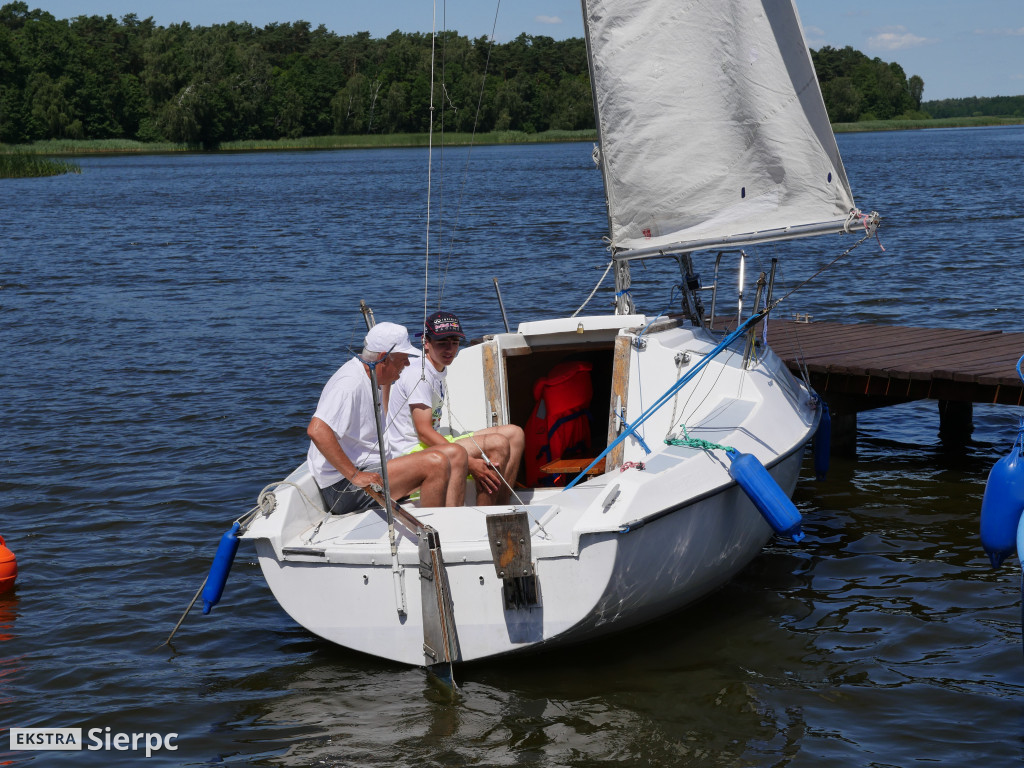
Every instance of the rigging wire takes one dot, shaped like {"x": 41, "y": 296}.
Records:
{"x": 430, "y": 168}
{"x": 443, "y": 281}
{"x": 446, "y": 98}
{"x": 845, "y": 253}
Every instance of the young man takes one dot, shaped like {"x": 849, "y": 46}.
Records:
{"x": 343, "y": 454}
{"x": 414, "y": 417}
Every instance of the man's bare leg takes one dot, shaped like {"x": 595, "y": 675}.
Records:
{"x": 490, "y": 485}
{"x": 509, "y": 467}
{"x": 429, "y": 470}
{"x": 459, "y": 463}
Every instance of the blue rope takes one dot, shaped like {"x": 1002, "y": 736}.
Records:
{"x": 672, "y": 391}
{"x": 626, "y": 425}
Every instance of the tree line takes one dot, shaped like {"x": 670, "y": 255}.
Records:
{"x": 94, "y": 77}
{"x": 977, "y": 106}
{"x": 856, "y": 87}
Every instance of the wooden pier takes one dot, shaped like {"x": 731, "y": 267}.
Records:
{"x": 858, "y": 367}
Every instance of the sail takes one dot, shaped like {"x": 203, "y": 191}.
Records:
{"x": 711, "y": 124}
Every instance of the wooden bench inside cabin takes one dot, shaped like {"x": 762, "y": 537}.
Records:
{"x": 572, "y": 467}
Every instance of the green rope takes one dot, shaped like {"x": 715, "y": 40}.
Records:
{"x": 696, "y": 442}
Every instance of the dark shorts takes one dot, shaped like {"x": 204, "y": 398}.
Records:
{"x": 343, "y": 497}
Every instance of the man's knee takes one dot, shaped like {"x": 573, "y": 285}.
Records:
{"x": 502, "y": 445}
{"x": 457, "y": 457}
{"x": 514, "y": 434}
{"x": 501, "y": 451}
{"x": 435, "y": 462}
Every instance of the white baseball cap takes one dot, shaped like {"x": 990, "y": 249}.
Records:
{"x": 389, "y": 337}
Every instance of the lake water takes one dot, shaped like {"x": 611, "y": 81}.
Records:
{"x": 168, "y": 323}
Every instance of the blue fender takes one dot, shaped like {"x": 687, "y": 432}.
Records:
{"x": 1002, "y": 505}
{"x": 771, "y": 502}
{"x": 1020, "y": 547}
{"x": 220, "y": 569}
{"x": 1020, "y": 556}
{"x": 822, "y": 442}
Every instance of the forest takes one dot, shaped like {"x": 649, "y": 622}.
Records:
{"x": 975, "y": 106}
{"x": 94, "y": 77}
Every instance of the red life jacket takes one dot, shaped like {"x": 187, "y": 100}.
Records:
{"x": 559, "y": 427}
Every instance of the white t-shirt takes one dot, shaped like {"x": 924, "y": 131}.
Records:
{"x": 346, "y": 406}
{"x": 413, "y": 389}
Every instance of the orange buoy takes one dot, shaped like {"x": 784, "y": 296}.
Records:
{"x": 8, "y": 568}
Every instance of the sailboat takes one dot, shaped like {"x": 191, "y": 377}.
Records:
{"x": 712, "y": 136}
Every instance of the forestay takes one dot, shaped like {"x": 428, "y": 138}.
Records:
{"x": 711, "y": 124}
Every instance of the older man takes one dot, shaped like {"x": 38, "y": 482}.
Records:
{"x": 343, "y": 453}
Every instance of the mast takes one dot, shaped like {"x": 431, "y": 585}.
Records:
{"x": 623, "y": 301}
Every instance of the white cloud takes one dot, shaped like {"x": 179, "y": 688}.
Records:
{"x": 547, "y": 19}
{"x": 815, "y": 36}
{"x": 896, "y": 39}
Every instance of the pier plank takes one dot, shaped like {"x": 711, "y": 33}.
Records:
{"x": 881, "y": 364}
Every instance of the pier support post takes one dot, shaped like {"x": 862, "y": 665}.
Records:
{"x": 844, "y": 432}
{"x": 956, "y": 421}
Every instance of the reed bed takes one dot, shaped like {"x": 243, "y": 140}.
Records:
{"x": 911, "y": 125}
{"x": 406, "y": 140}
{"x": 19, "y": 165}
{"x": 128, "y": 146}
{"x": 103, "y": 146}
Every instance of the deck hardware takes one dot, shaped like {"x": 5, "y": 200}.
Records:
{"x": 748, "y": 350}
{"x": 305, "y": 551}
{"x": 398, "y": 574}
{"x": 509, "y": 533}
{"x": 501, "y": 304}
{"x": 267, "y": 503}
{"x": 611, "y": 497}
{"x": 440, "y": 636}
{"x": 690, "y": 288}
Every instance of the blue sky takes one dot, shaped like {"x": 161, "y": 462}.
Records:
{"x": 959, "y": 47}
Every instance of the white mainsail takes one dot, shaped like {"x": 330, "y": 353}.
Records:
{"x": 711, "y": 124}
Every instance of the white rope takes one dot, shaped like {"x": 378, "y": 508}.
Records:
{"x": 246, "y": 520}
{"x": 606, "y": 270}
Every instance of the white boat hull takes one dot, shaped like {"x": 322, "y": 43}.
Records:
{"x": 622, "y": 548}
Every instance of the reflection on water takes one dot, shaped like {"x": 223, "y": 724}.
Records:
{"x": 10, "y": 666}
